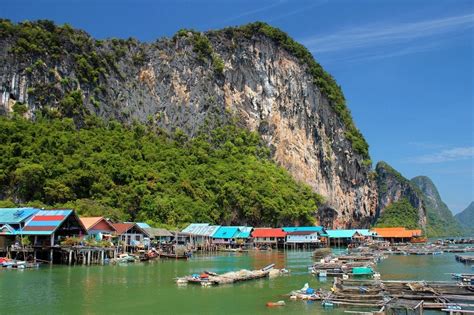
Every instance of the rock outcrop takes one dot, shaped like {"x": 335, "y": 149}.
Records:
{"x": 440, "y": 220}
{"x": 196, "y": 81}
{"x": 466, "y": 219}
{"x": 392, "y": 186}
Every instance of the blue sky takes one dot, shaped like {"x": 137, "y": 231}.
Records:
{"x": 406, "y": 67}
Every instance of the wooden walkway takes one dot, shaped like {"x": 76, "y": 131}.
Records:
{"x": 465, "y": 258}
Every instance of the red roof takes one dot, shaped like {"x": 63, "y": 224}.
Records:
{"x": 268, "y": 232}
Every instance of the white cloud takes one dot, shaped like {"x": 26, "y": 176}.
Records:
{"x": 383, "y": 35}
{"x": 448, "y": 155}
{"x": 255, "y": 11}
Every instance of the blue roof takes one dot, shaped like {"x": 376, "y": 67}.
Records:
{"x": 347, "y": 233}
{"x": 226, "y": 232}
{"x": 244, "y": 232}
{"x": 303, "y": 229}
{"x": 143, "y": 225}
{"x": 45, "y": 222}
{"x": 15, "y": 215}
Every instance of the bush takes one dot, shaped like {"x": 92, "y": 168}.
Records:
{"x": 223, "y": 176}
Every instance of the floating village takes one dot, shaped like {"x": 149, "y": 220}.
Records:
{"x": 32, "y": 238}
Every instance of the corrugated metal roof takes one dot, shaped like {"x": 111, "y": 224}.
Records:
{"x": 45, "y": 222}
{"x": 268, "y": 232}
{"x": 15, "y": 215}
{"x": 395, "y": 232}
{"x": 348, "y": 233}
{"x": 157, "y": 232}
{"x": 365, "y": 232}
{"x": 201, "y": 229}
{"x": 142, "y": 225}
{"x": 244, "y": 232}
{"x": 194, "y": 226}
{"x": 341, "y": 233}
{"x": 226, "y": 232}
{"x": 303, "y": 229}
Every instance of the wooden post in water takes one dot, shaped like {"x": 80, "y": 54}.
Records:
{"x": 51, "y": 249}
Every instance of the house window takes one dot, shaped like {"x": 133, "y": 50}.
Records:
{"x": 137, "y": 237}
{"x": 123, "y": 237}
{"x": 272, "y": 238}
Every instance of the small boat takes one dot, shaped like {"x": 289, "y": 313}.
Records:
{"x": 274, "y": 304}
{"x": 322, "y": 274}
{"x": 18, "y": 264}
{"x": 174, "y": 256}
{"x": 306, "y": 293}
{"x": 269, "y": 267}
{"x": 125, "y": 258}
{"x": 232, "y": 250}
{"x": 327, "y": 304}
{"x": 143, "y": 255}
{"x": 418, "y": 240}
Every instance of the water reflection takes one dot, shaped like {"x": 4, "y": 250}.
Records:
{"x": 143, "y": 287}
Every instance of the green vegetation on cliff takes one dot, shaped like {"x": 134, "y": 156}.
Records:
{"x": 399, "y": 213}
{"x": 466, "y": 219}
{"x": 137, "y": 173}
{"x": 439, "y": 219}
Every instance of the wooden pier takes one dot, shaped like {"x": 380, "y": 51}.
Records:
{"x": 465, "y": 258}
{"x": 414, "y": 295}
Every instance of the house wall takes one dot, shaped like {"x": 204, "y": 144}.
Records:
{"x": 102, "y": 227}
{"x": 128, "y": 238}
{"x": 265, "y": 240}
{"x": 312, "y": 238}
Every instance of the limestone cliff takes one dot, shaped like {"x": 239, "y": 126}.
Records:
{"x": 440, "y": 220}
{"x": 392, "y": 187}
{"x": 253, "y": 74}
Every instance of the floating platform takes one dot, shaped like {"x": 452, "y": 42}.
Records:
{"x": 465, "y": 258}
{"x": 210, "y": 278}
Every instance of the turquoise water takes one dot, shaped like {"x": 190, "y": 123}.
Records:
{"x": 149, "y": 287}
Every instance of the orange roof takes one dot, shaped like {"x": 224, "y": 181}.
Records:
{"x": 90, "y": 222}
{"x": 396, "y": 232}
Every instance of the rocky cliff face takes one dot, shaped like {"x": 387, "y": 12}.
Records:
{"x": 466, "y": 219}
{"x": 195, "y": 81}
{"x": 440, "y": 220}
{"x": 392, "y": 186}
